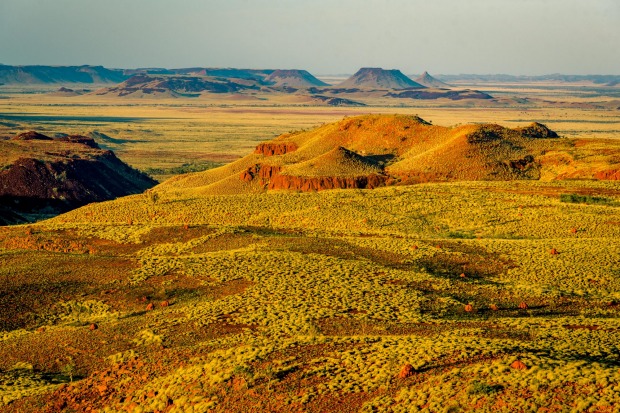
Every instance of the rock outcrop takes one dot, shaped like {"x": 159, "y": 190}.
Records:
{"x": 275, "y": 148}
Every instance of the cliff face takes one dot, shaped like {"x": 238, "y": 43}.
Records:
{"x": 77, "y": 173}
{"x": 320, "y": 183}
{"x": 275, "y": 148}
{"x": 271, "y": 177}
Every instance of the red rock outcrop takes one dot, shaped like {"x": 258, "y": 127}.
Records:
{"x": 319, "y": 183}
{"x": 262, "y": 172}
{"x": 275, "y": 148}
{"x": 406, "y": 371}
{"x": 610, "y": 175}
{"x": 271, "y": 177}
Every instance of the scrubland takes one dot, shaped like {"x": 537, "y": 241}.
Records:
{"x": 287, "y": 301}
{"x": 436, "y": 297}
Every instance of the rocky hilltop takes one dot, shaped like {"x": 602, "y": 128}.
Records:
{"x": 379, "y": 150}
{"x": 378, "y": 78}
{"x": 41, "y": 176}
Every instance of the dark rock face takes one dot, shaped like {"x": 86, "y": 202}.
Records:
{"x": 33, "y": 186}
{"x": 275, "y": 148}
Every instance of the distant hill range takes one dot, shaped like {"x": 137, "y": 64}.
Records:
{"x": 42, "y": 176}
{"x": 378, "y": 78}
{"x": 378, "y": 150}
{"x": 34, "y": 75}
{"x": 175, "y": 86}
{"x": 603, "y": 80}
{"x": 372, "y": 77}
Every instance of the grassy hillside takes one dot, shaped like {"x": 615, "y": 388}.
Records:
{"x": 345, "y": 300}
{"x": 406, "y": 149}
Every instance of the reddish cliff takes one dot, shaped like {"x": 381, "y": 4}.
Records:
{"x": 609, "y": 175}
{"x": 275, "y": 148}
{"x": 272, "y": 178}
{"x": 319, "y": 183}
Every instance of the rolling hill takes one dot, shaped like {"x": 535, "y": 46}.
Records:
{"x": 382, "y": 150}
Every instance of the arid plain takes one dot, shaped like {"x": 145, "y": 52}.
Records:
{"x": 432, "y": 295}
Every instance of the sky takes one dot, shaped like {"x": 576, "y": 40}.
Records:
{"x": 519, "y": 37}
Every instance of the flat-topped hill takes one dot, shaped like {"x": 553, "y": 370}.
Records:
{"x": 59, "y": 74}
{"x": 42, "y": 175}
{"x": 377, "y": 150}
{"x": 143, "y": 85}
{"x": 378, "y": 78}
{"x": 293, "y": 78}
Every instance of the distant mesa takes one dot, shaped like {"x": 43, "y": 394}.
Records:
{"x": 427, "y": 80}
{"x": 293, "y": 78}
{"x": 173, "y": 86}
{"x": 431, "y": 94}
{"x": 26, "y": 75}
{"x": 42, "y": 176}
{"x": 377, "y": 78}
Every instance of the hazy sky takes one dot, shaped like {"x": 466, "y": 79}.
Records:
{"x": 322, "y": 36}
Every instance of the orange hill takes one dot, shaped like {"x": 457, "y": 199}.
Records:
{"x": 376, "y": 150}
